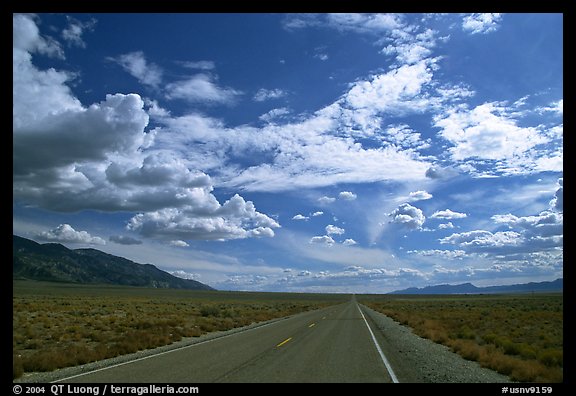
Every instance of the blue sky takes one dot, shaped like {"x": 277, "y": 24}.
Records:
{"x": 295, "y": 152}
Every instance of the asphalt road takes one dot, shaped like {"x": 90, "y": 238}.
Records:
{"x": 333, "y": 344}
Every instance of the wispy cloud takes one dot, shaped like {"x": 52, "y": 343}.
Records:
{"x": 201, "y": 88}
{"x": 145, "y": 72}
{"x": 76, "y": 29}
{"x": 268, "y": 94}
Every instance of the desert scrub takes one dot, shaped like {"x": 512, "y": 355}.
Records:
{"x": 62, "y": 325}
{"x": 519, "y": 335}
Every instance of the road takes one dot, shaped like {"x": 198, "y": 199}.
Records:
{"x": 333, "y": 344}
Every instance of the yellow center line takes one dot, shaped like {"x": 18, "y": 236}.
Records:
{"x": 284, "y": 342}
{"x": 312, "y": 325}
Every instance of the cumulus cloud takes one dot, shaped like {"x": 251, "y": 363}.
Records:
{"x": 185, "y": 275}
{"x": 26, "y": 37}
{"x": 267, "y": 94}
{"x": 235, "y": 219}
{"x": 445, "y": 226}
{"x": 323, "y": 240}
{"x": 435, "y": 172}
{"x": 136, "y": 64}
{"x": 557, "y": 203}
{"x": 318, "y": 213}
{"x": 349, "y": 242}
{"x": 124, "y": 240}
{"x": 334, "y": 230}
{"x": 201, "y": 88}
{"x": 347, "y": 196}
{"x": 481, "y": 23}
{"x": 408, "y": 216}
{"x": 544, "y": 225}
{"x": 326, "y": 200}
{"x": 68, "y": 157}
{"x": 419, "y": 196}
{"x": 448, "y": 215}
{"x": 178, "y": 243}
{"x": 67, "y": 234}
{"x": 300, "y": 217}
{"x": 484, "y": 240}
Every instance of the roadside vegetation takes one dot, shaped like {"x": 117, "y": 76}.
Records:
{"x": 61, "y": 325}
{"x": 519, "y": 335}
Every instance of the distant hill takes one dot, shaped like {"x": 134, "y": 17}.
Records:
{"x": 56, "y": 263}
{"x": 469, "y": 288}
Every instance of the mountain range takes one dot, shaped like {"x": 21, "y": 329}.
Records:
{"x": 56, "y": 263}
{"x": 468, "y": 288}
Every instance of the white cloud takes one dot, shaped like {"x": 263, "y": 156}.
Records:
{"x": 404, "y": 137}
{"x": 419, "y": 196}
{"x": 435, "y": 172}
{"x": 199, "y": 65}
{"x": 36, "y": 93}
{"x": 332, "y": 229}
{"x": 448, "y": 215}
{"x": 136, "y": 64}
{"x": 484, "y": 240}
{"x": 409, "y": 45}
{"x": 347, "y": 196}
{"x": 274, "y": 114}
{"x": 447, "y": 254}
{"x": 395, "y": 92}
{"x": 68, "y": 157}
{"x": 555, "y": 107}
{"x": 65, "y": 233}
{"x": 318, "y": 213}
{"x": 545, "y": 224}
{"x": 481, "y": 23}
{"x": 124, "y": 240}
{"x": 205, "y": 219}
{"x": 488, "y": 133}
{"x": 408, "y": 216}
{"x": 349, "y": 242}
{"x": 200, "y": 88}
{"x": 557, "y": 203}
{"x": 445, "y": 226}
{"x": 267, "y": 94}
{"x": 73, "y": 33}
{"x": 326, "y": 200}
{"x": 323, "y": 240}
{"x": 363, "y": 23}
{"x": 26, "y": 37}
{"x": 300, "y": 217}
{"x": 185, "y": 275}
{"x": 178, "y": 243}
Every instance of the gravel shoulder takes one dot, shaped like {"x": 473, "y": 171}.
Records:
{"x": 416, "y": 359}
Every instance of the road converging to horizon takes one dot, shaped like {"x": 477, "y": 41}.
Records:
{"x": 333, "y": 344}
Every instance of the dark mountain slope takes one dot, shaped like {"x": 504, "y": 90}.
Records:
{"x": 56, "y": 263}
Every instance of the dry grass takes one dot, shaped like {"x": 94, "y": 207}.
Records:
{"x": 56, "y": 326}
{"x": 517, "y": 335}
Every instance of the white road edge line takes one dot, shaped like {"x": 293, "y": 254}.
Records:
{"x": 386, "y": 363}
{"x": 169, "y": 351}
